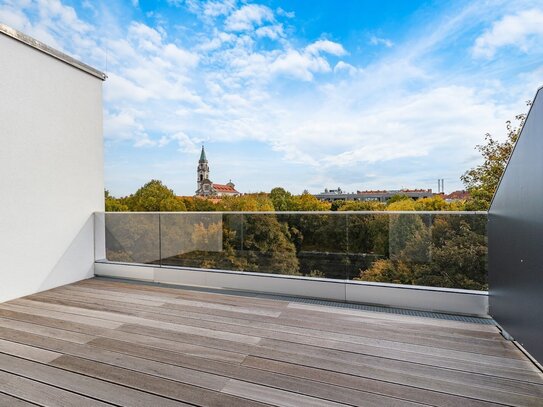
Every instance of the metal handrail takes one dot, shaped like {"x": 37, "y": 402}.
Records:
{"x": 310, "y": 212}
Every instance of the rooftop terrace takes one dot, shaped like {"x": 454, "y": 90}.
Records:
{"x": 107, "y": 342}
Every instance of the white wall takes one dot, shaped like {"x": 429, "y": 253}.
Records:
{"x": 51, "y": 170}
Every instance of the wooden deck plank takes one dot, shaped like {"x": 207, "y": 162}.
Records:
{"x": 480, "y": 346}
{"x": 90, "y": 387}
{"x": 220, "y": 368}
{"x": 151, "y": 321}
{"x": 199, "y": 295}
{"x": 468, "y": 387}
{"x": 468, "y": 391}
{"x": 149, "y": 383}
{"x": 206, "y": 306}
{"x": 119, "y": 342}
{"x": 275, "y": 396}
{"x": 46, "y": 331}
{"x": 100, "y": 295}
{"x": 267, "y": 348}
{"x": 29, "y": 317}
{"x": 33, "y": 308}
{"x": 42, "y": 394}
{"x": 385, "y": 350}
{"x": 383, "y": 344}
{"x": 121, "y": 359}
{"x": 447, "y": 333}
{"x": 422, "y": 322}
{"x": 386, "y": 347}
{"x": 368, "y": 389}
{"x": 7, "y": 400}
{"x": 275, "y": 330}
{"x": 27, "y": 352}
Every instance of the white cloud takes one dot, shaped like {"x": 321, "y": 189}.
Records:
{"x": 381, "y": 41}
{"x": 180, "y": 58}
{"x": 522, "y": 30}
{"x": 124, "y": 125}
{"x": 119, "y": 88}
{"x": 288, "y": 14}
{"x": 218, "y": 8}
{"x": 342, "y": 66}
{"x": 327, "y": 46}
{"x": 271, "y": 31}
{"x": 146, "y": 38}
{"x": 184, "y": 142}
{"x": 312, "y": 104}
{"x": 248, "y": 16}
{"x": 299, "y": 65}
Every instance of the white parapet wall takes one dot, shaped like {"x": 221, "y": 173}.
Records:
{"x": 51, "y": 166}
{"x": 445, "y": 300}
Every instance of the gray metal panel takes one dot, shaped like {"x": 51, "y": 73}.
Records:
{"x": 515, "y": 239}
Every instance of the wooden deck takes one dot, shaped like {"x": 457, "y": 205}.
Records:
{"x": 99, "y": 342}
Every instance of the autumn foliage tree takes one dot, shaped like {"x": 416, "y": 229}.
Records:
{"x": 357, "y": 241}
{"x": 154, "y": 197}
{"x": 482, "y": 180}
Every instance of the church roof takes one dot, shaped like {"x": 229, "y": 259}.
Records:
{"x": 203, "y": 155}
{"x": 224, "y": 188}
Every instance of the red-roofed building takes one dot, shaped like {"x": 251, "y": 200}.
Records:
{"x": 206, "y": 188}
{"x": 456, "y": 196}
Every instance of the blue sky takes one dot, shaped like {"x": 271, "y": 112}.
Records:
{"x": 299, "y": 94}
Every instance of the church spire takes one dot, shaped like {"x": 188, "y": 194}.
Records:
{"x": 203, "y": 155}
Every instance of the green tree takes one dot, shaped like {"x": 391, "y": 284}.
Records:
{"x": 397, "y": 198}
{"x": 308, "y": 202}
{"x": 113, "y": 204}
{"x": 482, "y": 180}
{"x": 247, "y": 203}
{"x": 361, "y": 206}
{"x": 155, "y": 197}
{"x": 268, "y": 246}
{"x": 449, "y": 253}
{"x": 281, "y": 199}
{"x": 401, "y": 204}
{"x": 197, "y": 204}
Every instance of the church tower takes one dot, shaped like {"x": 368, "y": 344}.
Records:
{"x": 202, "y": 170}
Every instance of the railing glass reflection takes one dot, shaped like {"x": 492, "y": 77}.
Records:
{"x": 440, "y": 249}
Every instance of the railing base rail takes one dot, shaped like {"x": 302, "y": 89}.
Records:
{"x": 433, "y": 299}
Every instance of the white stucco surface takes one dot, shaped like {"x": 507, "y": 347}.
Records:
{"x": 51, "y": 170}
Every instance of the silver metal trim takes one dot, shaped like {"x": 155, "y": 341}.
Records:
{"x": 313, "y": 301}
{"x": 432, "y": 299}
{"x": 46, "y": 49}
{"x": 314, "y": 279}
{"x": 336, "y": 213}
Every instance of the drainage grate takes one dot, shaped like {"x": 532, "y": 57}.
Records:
{"x": 312, "y": 301}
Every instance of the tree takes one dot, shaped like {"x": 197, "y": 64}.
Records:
{"x": 397, "y": 198}
{"x": 281, "y": 199}
{"x": 308, "y": 202}
{"x": 403, "y": 204}
{"x": 359, "y": 206}
{"x": 450, "y": 253}
{"x": 113, "y": 204}
{"x": 248, "y": 203}
{"x": 155, "y": 197}
{"x": 198, "y": 204}
{"x": 267, "y": 245}
{"x": 482, "y": 180}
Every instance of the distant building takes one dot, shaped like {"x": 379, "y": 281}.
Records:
{"x": 377, "y": 195}
{"x": 206, "y": 188}
{"x": 456, "y": 196}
